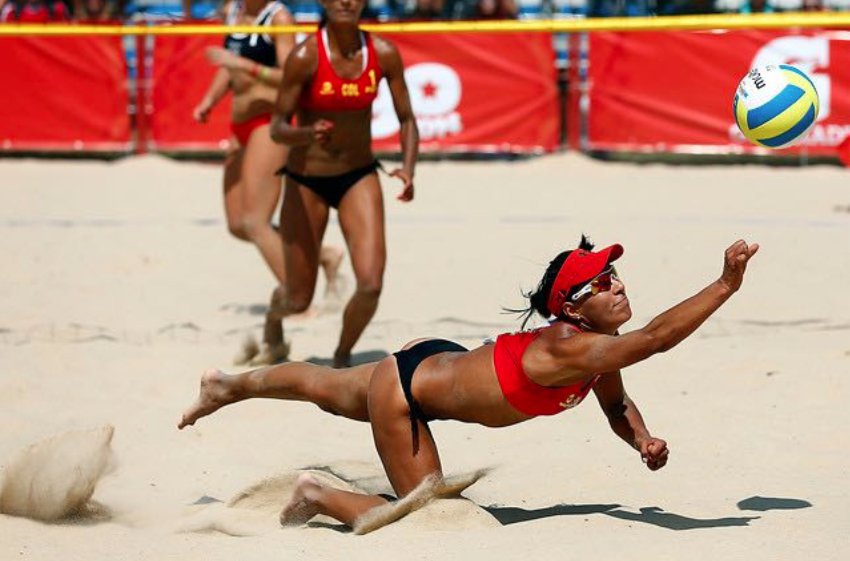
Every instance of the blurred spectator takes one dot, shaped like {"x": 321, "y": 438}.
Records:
{"x": 756, "y": 7}
{"x": 495, "y": 9}
{"x": 95, "y": 11}
{"x": 623, "y": 8}
{"x": 685, "y": 7}
{"x": 7, "y": 11}
{"x": 153, "y": 10}
{"x": 813, "y": 6}
{"x": 35, "y": 11}
{"x": 427, "y": 9}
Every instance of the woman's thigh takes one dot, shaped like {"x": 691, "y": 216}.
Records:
{"x": 263, "y": 157}
{"x": 408, "y": 456}
{"x": 233, "y": 188}
{"x": 361, "y": 217}
{"x": 303, "y": 220}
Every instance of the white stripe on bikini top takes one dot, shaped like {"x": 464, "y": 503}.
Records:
{"x": 363, "y": 50}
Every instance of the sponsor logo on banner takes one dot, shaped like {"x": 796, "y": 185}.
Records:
{"x": 435, "y": 94}
{"x": 811, "y": 54}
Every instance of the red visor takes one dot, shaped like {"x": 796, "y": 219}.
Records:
{"x": 579, "y": 267}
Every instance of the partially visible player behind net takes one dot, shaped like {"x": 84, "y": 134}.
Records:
{"x": 250, "y": 67}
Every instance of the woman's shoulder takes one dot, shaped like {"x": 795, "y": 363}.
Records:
{"x": 304, "y": 54}
{"x": 280, "y": 13}
{"x": 383, "y": 47}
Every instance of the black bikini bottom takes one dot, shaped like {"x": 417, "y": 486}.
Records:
{"x": 332, "y": 188}
{"x": 408, "y": 360}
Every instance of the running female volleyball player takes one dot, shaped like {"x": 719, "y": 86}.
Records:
{"x": 249, "y": 67}
{"x": 521, "y": 376}
{"x": 330, "y": 81}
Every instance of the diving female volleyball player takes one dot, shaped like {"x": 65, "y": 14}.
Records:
{"x": 521, "y": 376}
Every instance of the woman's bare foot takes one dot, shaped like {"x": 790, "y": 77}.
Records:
{"x": 330, "y": 259}
{"x": 248, "y": 351}
{"x": 302, "y": 506}
{"x": 341, "y": 359}
{"x": 271, "y": 354}
{"x": 215, "y": 393}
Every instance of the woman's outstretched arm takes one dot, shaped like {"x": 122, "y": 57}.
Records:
{"x": 588, "y": 353}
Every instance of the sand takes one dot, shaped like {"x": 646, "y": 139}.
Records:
{"x": 122, "y": 285}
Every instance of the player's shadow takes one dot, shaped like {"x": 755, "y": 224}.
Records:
{"x": 648, "y": 515}
{"x": 356, "y": 358}
{"x": 658, "y": 517}
{"x": 762, "y": 504}
{"x": 512, "y": 515}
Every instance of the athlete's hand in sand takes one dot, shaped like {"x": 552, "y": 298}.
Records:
{"x": 654, "y": 453}
{"x": 406, "y": 194}
{"x": 322, "y": 131}
{"x": 735, "y": 263}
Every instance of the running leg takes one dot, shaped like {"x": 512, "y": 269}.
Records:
{"x": 361, "y": 217}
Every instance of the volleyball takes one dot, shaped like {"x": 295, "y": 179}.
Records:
{"x": 776, "y": 105}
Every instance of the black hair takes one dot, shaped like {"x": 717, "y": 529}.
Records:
{"x": 538, "y": 300}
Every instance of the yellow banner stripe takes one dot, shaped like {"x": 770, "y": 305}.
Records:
{"x": 571, "y": 25}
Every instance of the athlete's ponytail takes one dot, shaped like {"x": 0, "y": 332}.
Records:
{"x": 538, "y": 300}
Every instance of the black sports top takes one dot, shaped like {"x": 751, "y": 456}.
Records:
{"x": 254, "y": 46}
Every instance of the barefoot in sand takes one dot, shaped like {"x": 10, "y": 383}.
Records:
{"x": 342, "y": 360}
{"x": 215, "y": 393}
{"x": 271, "y": 354}
{"x": 302, "y": 505}
{"x": 250, "y": 349}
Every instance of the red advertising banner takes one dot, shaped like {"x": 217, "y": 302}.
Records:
{"x": 180, "y": 77}
{"x": 673, "y": 91}
{"x": 475, "y": 92}
{"x": 63, "y": 93}
{"x": 470, "y": 92}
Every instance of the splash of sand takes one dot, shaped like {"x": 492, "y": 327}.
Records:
{"x": 431, "y": 488}
{"x": 255, "y": 510}
{"x": 55, "y": 478}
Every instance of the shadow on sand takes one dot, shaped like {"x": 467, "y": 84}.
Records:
{"x": 356, "y": 358}
{"x": 653, "y": 515}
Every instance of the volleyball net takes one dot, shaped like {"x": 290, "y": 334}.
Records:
{"x": 662, "y": 84}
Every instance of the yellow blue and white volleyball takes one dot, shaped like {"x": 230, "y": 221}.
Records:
{"x": 776, "y": 105}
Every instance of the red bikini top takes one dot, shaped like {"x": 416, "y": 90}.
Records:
{"x": 329, "y": 92}
{"x": 525, "y": 395}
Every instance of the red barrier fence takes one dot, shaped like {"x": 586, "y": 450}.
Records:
{"x": 180, "y": 78}
{"x": 63, "y": 93}
{"x": 673, "y": 92}
{"x": 475, "y": 92}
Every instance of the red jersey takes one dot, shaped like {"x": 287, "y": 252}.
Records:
{"x": 329, "y": 92}
{"x": 525, "y": 395}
